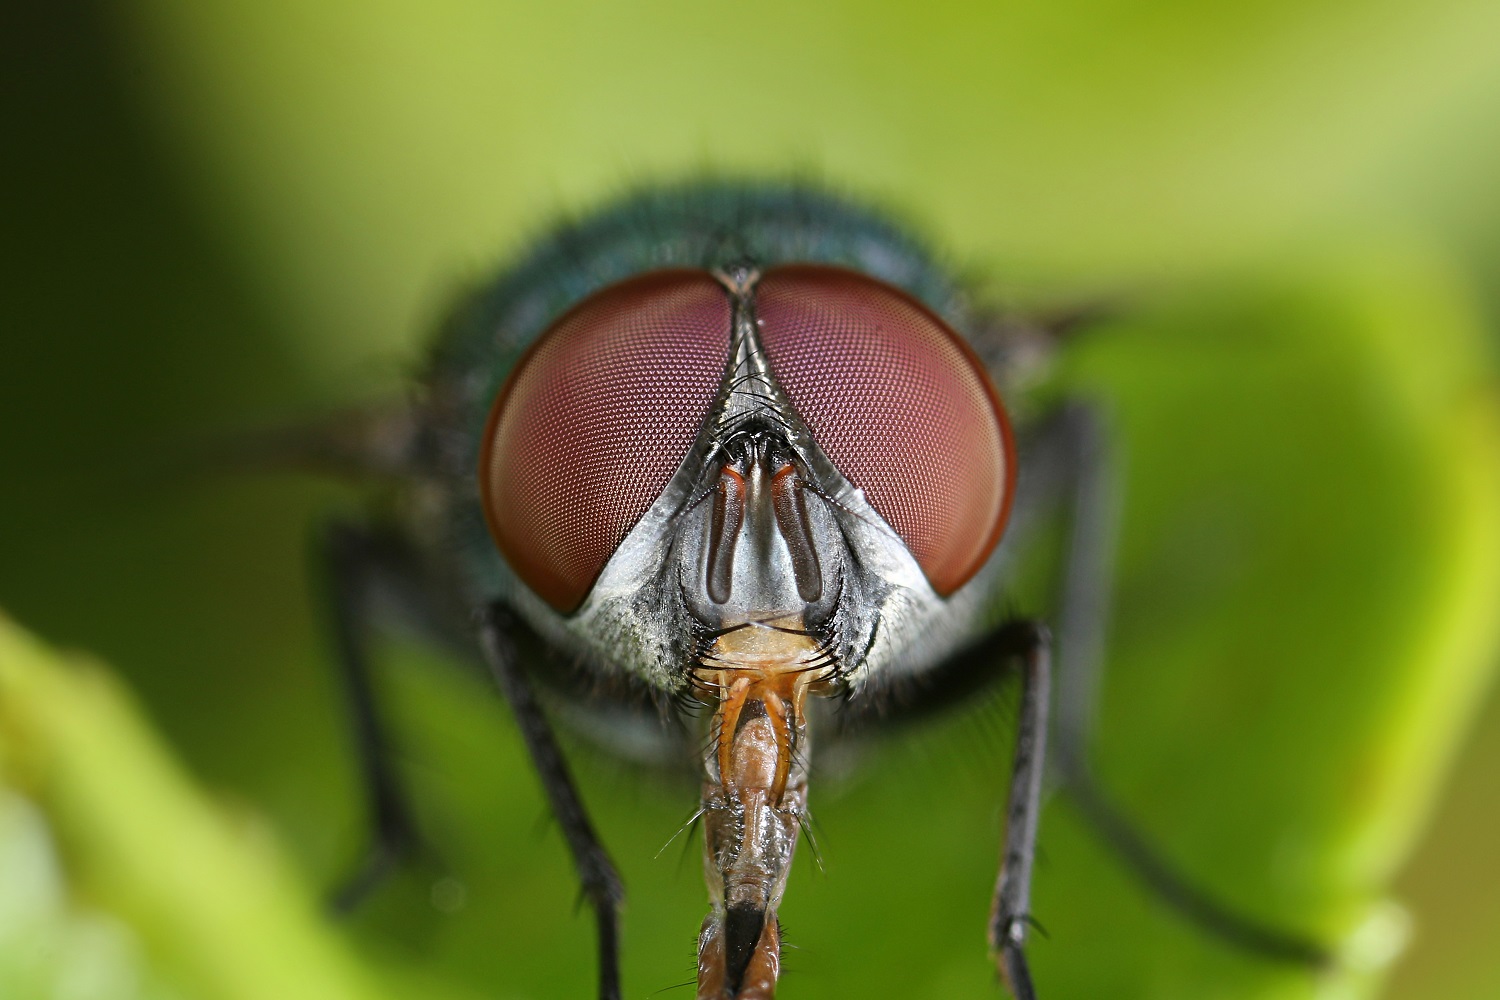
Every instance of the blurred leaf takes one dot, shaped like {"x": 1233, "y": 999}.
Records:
{"x": 216, "y": 911}
{"x": 369, "y": 156}
{"x": 1305, "y": 617}
{"x": 50, "y": 947}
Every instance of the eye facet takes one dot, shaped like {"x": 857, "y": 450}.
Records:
{"x": 900, "y": 405}
{"x": 594, "y": 421}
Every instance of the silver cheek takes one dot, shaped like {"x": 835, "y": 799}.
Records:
{"x": 888, "y": 612}
{"x": 642, "y": 614}
{"x": 640, "y": 618}
{"x": 634, "y": 621}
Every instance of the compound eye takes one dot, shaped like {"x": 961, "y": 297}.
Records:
{"x": 593, "y": 422}
{"x": 901, "y": 405}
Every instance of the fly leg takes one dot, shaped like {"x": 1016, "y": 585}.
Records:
{"x": 1030, "y": 644}
{"x": 1077, "y": 439}
{"x": 357, "y": 560}
{"x": 980, "y": 667}
{"x": 601, "y": 883}
{"x": 368, "y": 569}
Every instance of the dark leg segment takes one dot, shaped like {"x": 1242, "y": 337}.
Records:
{"x": 601, "y": 884}
{"x": 1083, "y": 607}
{"x": 355, "y": 558}
{"x": 366, "y": 570}
{"x": 1172, "y": 888}
{"x": 1023, "y": 644}
{"x": 1029, "y": 644}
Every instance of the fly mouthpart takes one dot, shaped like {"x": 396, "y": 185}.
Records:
{"x": 728, "y": 969}
{"x": 754, "y": 795}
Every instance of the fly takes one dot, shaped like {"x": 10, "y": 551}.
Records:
{"x": 740, "y": 456}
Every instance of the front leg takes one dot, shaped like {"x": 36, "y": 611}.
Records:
{"x": 1029, "y": 645}
{"x": 1022, "y": 644}
{"x": 596, "y": 873}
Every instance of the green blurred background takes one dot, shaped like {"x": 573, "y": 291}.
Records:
{"x": 232, "y": 215}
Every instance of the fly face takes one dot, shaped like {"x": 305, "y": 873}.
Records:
{"x": 661, "y": 403}
{"x": 761, "y": 574}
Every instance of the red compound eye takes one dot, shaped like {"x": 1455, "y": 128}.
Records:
{"x": 900, "y": 405}
{"x": 593, "y": 422}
